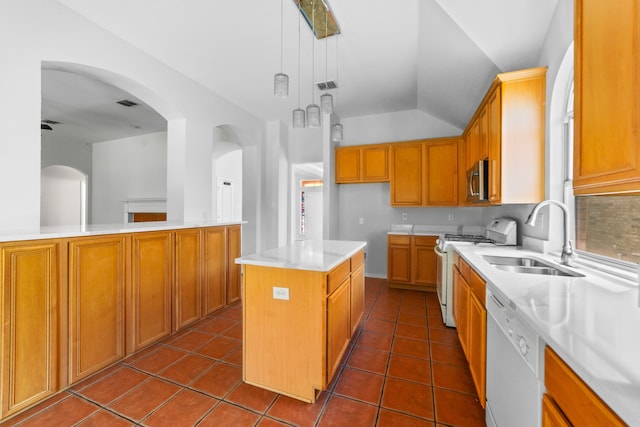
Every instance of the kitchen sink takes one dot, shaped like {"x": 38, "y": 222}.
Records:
{"x": 527, "y": 265}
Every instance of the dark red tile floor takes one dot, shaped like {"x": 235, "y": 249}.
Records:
{"x": 404, "y": 368}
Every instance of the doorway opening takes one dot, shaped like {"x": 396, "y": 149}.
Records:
{"x": 307, "y": 201}
{"x": 63, "y": 196}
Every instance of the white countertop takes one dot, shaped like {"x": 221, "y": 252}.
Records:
{"x": 592, "y": 322}
{"x": 55, "y": 232}
{"x": 314, "y": 255}
{"x": 434, "y": 229}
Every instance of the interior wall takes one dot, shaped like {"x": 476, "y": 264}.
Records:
{"x": 127, "y": 168}
{"x": 229, "y": 167}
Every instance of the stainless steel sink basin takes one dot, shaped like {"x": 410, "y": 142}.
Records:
{"x": 527, "y": 265}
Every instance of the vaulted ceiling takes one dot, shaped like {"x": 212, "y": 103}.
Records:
{"x": 438, "y": 56}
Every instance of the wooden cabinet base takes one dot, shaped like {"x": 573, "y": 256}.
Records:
{"x": 411, "y": 287}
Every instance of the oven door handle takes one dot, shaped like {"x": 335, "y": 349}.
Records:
{"x": 438, "y": 251}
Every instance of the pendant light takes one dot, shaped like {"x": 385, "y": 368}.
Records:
{"x": 326, "y": 100}
{"x": 313, "y": 110}
{"x": 281, "y": 80}
{"x": 298, "y": 113}
{"x": 336, "y": 129}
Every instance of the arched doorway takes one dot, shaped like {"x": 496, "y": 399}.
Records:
{"x": 63, "y": 196}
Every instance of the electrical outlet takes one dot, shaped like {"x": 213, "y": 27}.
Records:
{"x": 361, "y": 220}
{"x": 281, "y": 293}
{"x": 404, "y": 216}
{"x": 451, "y": 217}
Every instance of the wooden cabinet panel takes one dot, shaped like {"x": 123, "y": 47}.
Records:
{"x": 347, "y": 164}
{"x": 424, "y": 260}
{"x": 441, "y": 173}
{"x": 478, "y": 345}
{"x": 552, "y": 416}
{"x": 494, "y": 143}
{"x": 461, "y": 297}
{"x": 30, "y": 286}
{"x": 98, "y": 277}
{"x": 151, "y": 288}
{"x": 188, "y": 266}
{"x": 607, "y": 107}
{"x": 357, "y": 297}
{"x": 338, "y": 325}
{"x": 399, "y": 264}
{"x": 234, "y": 243}
{"x": 580, "y": 405}
{"x": 375, "y": 163}
{"x": 215, "y": 269}
{"x": 406, "y": 174}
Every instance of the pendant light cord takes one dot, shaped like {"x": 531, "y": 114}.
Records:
{"x": 313, "y": 55}
{"x": 299, "y": 49}
{"x": 281, "y": 35}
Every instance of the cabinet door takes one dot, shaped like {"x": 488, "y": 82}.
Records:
{"x": 98, "y": 277}
{"x": 406, "y": 174}
{"x": 215, "y": 269}
{"x": 233, "y": 270}
{"x": 29, "y": 278}
{"x": 461, "y": 309}
{"x": 347, "y": 164}
{"x": 357, "y": 297}
{"x": 607, "y": 106}
{"x": 399, "y": 261}
{"x": 441, "y": 173}
{"x": 483, "y": 133}
{"x": 473, "y": 144}
{"x": 552, "y": 416}
{"x": 478, "y": 345}
{"x": 338, "y": 326}
{"x": 151, "y": 284}
{"x": 375, "y": 163}
{"x": 494, "y": 135}
{"x": 188, "y": 273}
{"x": 424, "y": 259}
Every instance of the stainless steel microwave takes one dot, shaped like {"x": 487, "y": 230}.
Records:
{"x": 478, "y": 182}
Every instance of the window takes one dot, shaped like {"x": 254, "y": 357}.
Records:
{"x": 606, "y": 226}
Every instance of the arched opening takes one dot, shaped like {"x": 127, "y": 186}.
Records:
{"x": 307, "y": 201}
{"x": 112, "y": 135}
{"x": 63, "y": 196}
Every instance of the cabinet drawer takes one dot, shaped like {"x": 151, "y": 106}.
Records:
{"x": 576, "y": 400}
{"x": 357, "y": 260}
{"x": 403, "y": 239}
{"x": 425, "y": 240}
{"x": 337, "y": 275}
{"x": 463, "y": 267}
{"x": 477, "y": 284}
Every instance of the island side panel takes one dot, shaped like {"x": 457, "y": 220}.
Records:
{"x": 284, "y": 340}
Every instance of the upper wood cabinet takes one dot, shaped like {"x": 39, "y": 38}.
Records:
{"x": 607, "y": 106}
{"x": 424, "y": 172}
{"x": 98, "y": 282}
{"x": 30, "y": 341}
{"x": 361, "y": 164}
{"x": 508, "y": 129}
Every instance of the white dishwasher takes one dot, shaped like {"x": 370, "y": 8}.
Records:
{"x": 514, "y": 392}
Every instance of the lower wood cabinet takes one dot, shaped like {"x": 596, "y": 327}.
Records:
{"x": 214, "y": 280}
{"x": 188, "y": 265}
{"x": 569, "y": 400}
{"x": 151, "y": 289}
{"x": 31, "y": 295}
{"x": 411, "y": 262}
{"x": 338, "y": 325}
{"x": 470, "y": 315}
{"x": 234, "y": 245}
{"x": 98, "y": 279}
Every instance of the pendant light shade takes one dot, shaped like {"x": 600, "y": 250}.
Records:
{"x": 336, "y": 132}
{"x": 313, "y": 115}
{"x": 326, "y": 101}
{"x": 281, "y": 80}
{"x": 281, "y": 85}
{"x": 298, "y": 118}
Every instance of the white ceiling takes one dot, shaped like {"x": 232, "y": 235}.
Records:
{"x": 438, "y": 56}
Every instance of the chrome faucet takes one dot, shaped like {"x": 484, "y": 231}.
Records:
{"x": 567, "y": 249}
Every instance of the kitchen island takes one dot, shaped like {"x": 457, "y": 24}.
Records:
{"x": 301, "y": 304}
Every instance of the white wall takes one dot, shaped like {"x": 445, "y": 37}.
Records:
{"x": 43, "y": 31}
{"x": 127, "y": 168}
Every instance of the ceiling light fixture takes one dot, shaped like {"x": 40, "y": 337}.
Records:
{"x": 298, "y": 113}
{"x": 281, "y": 80}
{"x": 336, "y": 129}
{"x": 313, "y": 110}
{"x": 326, "y": 100}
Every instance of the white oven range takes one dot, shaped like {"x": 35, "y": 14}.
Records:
{"x": 500, "y": 231}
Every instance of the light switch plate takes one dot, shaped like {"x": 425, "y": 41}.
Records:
{"x": 281, "y": 293}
